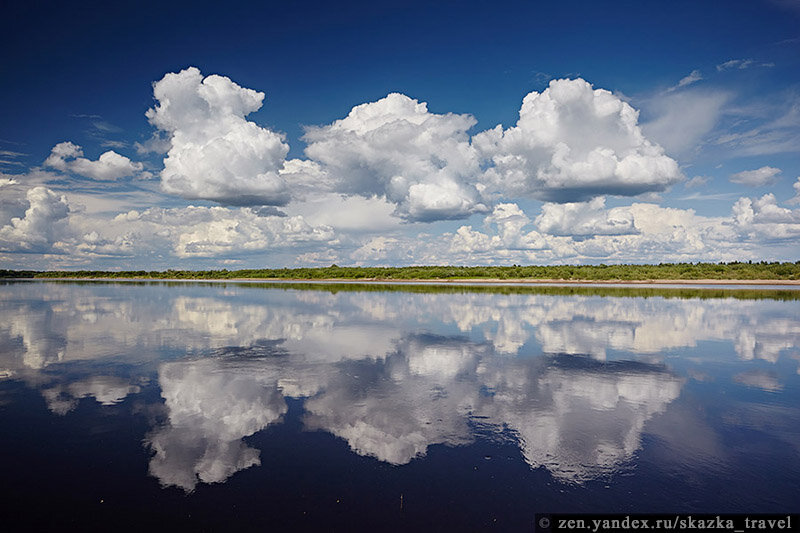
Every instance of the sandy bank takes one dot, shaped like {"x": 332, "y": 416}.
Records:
{"x": 522, "y": 281}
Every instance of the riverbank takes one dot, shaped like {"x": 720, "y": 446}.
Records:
{"x": 493, "y": 281}
{"x": 573, "y": 281}
{"x": 668, "y": 273}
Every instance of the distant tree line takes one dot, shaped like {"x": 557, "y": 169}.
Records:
{"x": 663, "y": 271}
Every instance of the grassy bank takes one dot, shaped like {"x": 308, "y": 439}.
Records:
{"x": 670, "y": 271}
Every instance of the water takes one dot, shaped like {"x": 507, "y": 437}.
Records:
{"x": 351, "y": 407}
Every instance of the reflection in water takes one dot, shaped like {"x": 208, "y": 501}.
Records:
{"x": 579, "y": 419}
{"x": 394, "y": 410}
{"x": 211, "y": 407}
{"x": 574, "y": 381}
{"x": 47, "y": 323}
{"x": 107, "y": 390}
{"x": 576, "y": 417}
{"x": 38, "y": 328}
{"x": 760, "y": 379}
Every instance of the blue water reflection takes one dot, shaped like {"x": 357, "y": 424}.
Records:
{"x": 682, "y": 402}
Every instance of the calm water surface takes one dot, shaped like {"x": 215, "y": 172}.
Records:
{"x": 197, "y": 405}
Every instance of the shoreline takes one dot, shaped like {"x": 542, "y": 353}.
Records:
{"x": 434, "y": 281}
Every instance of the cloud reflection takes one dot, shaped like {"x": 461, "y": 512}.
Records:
{"x": 578, "y": 418}
{"x": 572, "y": 415}
{"x": 766, "y": 381}
{"x": 211, "y": 406}
{"x": 394, "y": 410}
{"x": 391, "y": 374}
{"x": 107, "y": 390}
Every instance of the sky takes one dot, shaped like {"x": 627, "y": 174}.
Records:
{"x": 205, "y": 136}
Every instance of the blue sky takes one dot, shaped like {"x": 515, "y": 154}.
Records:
{"x": 196, "y": 135}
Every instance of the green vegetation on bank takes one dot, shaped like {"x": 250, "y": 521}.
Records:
{"x": 665, "y": 271}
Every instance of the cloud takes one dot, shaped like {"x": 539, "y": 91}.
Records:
{"x": 225, "y": 234}
{"x": 215, "y": 153}
{"x": 42, "y": 225}
{"x": 11, "y": 153}
{"x": 683, "y": 119}
{"x": 796, "y": 186}
{"x": 756, "y": 178}
{"x": 354, "y": 214}
{"x": 105, "y": 127}
{"x": 9, "y": 158}
{"x": 67, "y": 157}
{"x": 557, "y": 233}
{"x": 710, "y": 196}
{"x": 395, "y": 148}
{"x": 156, "y": 144}
{"x": 764, "y": 220}
{"x": 585, "y": 219}
{"x": 374, "y": 250}
{"x": 198, "y": 232}
{"x": 572, "y": 143}
{"x": 735, "y": 63}
{"x": 61, "y": 152}
{"x": 741, "y": 64}
{"x": 509, "y": 220}
{"x": 779, "y": 133}
{"x": 697, "y": 181}
{"x": 391, "y": 162}
{"x": 693, "y": 77}
{"x": 640, "y": 232}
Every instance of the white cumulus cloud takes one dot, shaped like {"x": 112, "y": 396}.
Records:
{"x": 572, "y": 143}
{"x": 43, "y": 224}
{"x": 764, "y": 220}
{"x": 68, "y": 157}
{"x": 375, "y": 249}
{"x": 395, "y": 148}
{"x": 215, "y": 153}
{"x": 590, "y": 218}
{"x": 640, "y": 232}
{"x": 198, "y": 232}
{"x": 509, "y": 221}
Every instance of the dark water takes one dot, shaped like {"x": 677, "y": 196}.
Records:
{"x": 242, "y": 406}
